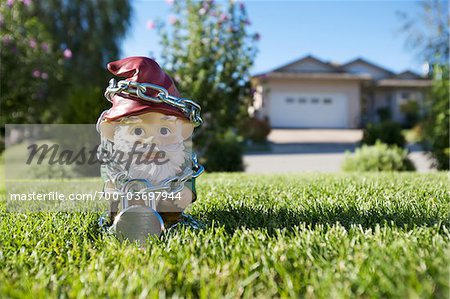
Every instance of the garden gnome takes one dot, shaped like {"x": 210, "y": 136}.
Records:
{"x": 146, "y": 134}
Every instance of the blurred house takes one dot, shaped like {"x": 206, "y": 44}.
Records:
{"x": 311, "y": 93}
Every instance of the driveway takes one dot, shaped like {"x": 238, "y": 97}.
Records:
{"x": 283, "y": 136}
{"x": 314, "y": 151}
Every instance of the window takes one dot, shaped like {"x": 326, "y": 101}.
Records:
{"x": 289, "y": 100}
{"x": 406, "y": 95}
{"x": 327, "y": 101}
{"x": 389, "y": 99}
{"x": 315, "y": 100}
{"x": 302, "y": 100}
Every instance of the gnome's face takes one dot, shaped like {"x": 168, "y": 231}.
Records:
{"x": 148, "y": 137}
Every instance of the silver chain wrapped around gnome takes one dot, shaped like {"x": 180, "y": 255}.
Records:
{"x": 148, "y": 166}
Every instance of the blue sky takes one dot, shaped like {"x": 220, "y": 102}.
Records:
{"x": 335, "y": 31}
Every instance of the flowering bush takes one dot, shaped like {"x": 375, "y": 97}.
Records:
{"x": 209, "y": 51}
{"x": 53, "y": 50}
{"x": 29, "y": 63}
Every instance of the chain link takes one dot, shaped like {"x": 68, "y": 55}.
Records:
{"x": 190, "y": 108}
{"x": 173, "y": 184}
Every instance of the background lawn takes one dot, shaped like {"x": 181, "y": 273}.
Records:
{"x": 328, "y": 236}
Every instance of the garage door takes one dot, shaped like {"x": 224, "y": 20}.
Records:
{"x": 308, "y": 110}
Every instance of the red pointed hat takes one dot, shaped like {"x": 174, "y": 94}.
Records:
{"x": 142, "y": 70}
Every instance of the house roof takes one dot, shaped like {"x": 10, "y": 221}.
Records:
{"x": 311, "y": 67}
{"x": 360, "y": 60}
{"x": 287, "y": 68}
{"x": 408, "y": 75}
{"x": 299, "y": 75}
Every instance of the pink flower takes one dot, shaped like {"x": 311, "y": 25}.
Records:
{"x": 26, "y": 2}
{"x": 45, "y": 47}
{"x": 67, "y": 53}
{"x": 172, "y": 20}
{"x": 6, "y": 39}
{"x": 36, "y": 73}
{"x": 223, "y": 17}
{"x": 151, "y": 25}
{"x": 202, "y": 11}
{"x": 10, "y": 3}
{"x": 32, "y": 43}
{"x": 170, "y": 2}
{"x": 242, "y": 5}
{"x": 44, "y": 76}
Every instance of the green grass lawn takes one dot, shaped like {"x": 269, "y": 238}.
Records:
{"x": 325, "y": 236}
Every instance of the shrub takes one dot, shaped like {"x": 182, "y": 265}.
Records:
{"x": 387, "y": 132}
{"x": 414, "y": 135}
{"x": 384, "y": 114}
{"x": 255, "y": 129}
{"x": 225, "y": 154}
{"x": 379, "y": 157}
{"x": 411, "y": 110}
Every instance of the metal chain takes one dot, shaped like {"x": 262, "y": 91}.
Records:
{"x": 190, "y": 108}
{"x": 173, "y": 184}
{"x": 123, "y": 182}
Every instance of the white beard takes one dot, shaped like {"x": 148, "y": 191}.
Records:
{"x": 174, "y": 155}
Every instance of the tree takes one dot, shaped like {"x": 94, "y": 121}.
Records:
{"x": 29, "y": 64}
{"x": 209, "y": 52}
{"x": 91, "y": 30}
{"x": 53, "y": 68}
{"x": 429, "y": 34}
{"x": 436, "y": 124}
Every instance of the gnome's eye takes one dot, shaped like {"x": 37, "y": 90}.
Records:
{"x": 164, "y": 131}
{"x": 138, "y": 131}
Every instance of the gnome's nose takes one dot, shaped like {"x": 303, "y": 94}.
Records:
{"x": 149, "y": 140}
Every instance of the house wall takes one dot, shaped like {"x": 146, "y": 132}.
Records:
{"x": 393, "y": 98}
{"x": 382, "y": 99}
{"x": 350, "y": 88}
{"x": 401, "y": 96}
